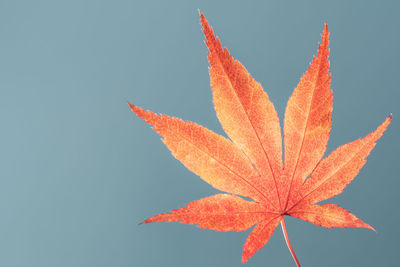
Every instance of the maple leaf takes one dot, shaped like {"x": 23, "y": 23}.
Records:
{"x": 251, "y": 164}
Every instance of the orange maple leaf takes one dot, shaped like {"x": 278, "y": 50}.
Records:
{"x": 251, "y": 164}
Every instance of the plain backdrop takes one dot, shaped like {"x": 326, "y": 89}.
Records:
{"x": 78, "y": 171}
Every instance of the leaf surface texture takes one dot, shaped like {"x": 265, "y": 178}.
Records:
{"x": 249, "y": 164}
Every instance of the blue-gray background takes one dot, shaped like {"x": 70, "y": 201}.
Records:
{"x": 79, "y": 171}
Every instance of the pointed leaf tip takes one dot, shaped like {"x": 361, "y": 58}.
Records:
{"x": 325, "y": 36}
{"x": 202, "y": 17}
{"x": 326, "y": 26}
{"x": 132, "y": 107}
{"x": 136, "y": 109}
